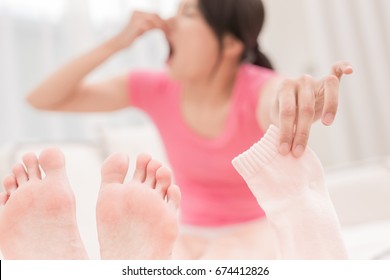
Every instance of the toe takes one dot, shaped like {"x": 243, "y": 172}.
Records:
{"x": 174, "y": 197}
{"x": 163, "y": 180}
{"x": 10, "y": 184}
{"x": 114, "y": 169}
{"x": 3, "y": 198}
{"x": 31, "y": 163}
{"x": 151, "y": 171}
{"x": 52, "y": 161}
{"x": 20, "y": 174}
{"x": 140, "y": 167}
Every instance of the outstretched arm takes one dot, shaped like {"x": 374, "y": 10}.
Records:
{"x": 66, "y": 89}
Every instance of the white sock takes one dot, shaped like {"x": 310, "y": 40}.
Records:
{"x": 293, "y": 194}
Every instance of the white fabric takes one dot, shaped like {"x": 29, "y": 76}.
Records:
{"x": 294, "y": 196}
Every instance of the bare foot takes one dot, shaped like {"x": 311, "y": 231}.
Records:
{"x": 137, "y": 220}
{"x": 38, "y": 213}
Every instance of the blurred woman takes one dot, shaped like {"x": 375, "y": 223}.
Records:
{"x": 217, "y": 97}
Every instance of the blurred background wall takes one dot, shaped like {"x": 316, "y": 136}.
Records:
{"x": 307, "y": 36}
{"x": 300, "y": 36}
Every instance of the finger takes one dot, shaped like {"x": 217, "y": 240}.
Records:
{"x": 145, "y": 27}
{"x": 287, "y": 115}
{"x": 148, "y": 22}
{"x": 306, "y": 111}
{"x": 170, "y": 23}
{"x": 157, "y": 22}
{"x": 163, "y": 24}
{"x": 341, "y": 68}
{"x": 331, "y": 99}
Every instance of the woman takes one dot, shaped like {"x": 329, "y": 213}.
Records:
{"x": 217, "y": 98}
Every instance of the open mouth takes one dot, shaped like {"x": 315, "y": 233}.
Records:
{"x": 171, "y": 50}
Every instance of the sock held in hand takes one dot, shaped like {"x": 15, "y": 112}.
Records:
{"x": 293, "y": 194}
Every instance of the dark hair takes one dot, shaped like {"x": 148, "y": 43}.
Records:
{"x": 241, "y": 18}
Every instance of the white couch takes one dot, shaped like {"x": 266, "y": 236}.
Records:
{"x": 361, "y": 195}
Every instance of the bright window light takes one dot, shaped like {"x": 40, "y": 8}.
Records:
{"x": 103, "y": 10}
{"x": 47, "y": 9}
{"x": 100, "y": 11}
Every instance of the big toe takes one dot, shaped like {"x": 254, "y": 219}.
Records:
{"x": 114, "y": 168}
{"x": 52, "y": 161}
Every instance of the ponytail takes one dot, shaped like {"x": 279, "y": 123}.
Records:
{"x": 256, "y": 57}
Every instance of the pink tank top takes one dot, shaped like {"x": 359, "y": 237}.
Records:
{"x": 213, "y": 193}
